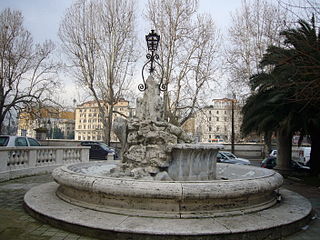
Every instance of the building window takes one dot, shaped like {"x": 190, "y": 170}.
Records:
{"x": 209, "y": 112}
{"x": 209, "y": 136}
{"x": 210, "y": 129}
{"x": 217, "y": 119}
{"x": 218, "y": 128}
{"x": 210, "y": 119}
{"x": 79, "y": 137}
{"x": 225, "y": 119}
{"x": 217, "y": 112}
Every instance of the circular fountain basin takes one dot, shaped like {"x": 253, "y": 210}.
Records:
{"x": 237, "y": 190}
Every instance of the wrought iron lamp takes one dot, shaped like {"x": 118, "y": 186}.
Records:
{"x": 153, "y": 40}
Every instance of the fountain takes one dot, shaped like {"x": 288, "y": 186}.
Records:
{"x": 167, "y": 187}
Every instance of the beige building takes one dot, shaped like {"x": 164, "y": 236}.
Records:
{"x": 89, "y": 124}
{"x": 51, "y": 121}
{"x": 67, "y": 127}
{"x": 213, "y": 123}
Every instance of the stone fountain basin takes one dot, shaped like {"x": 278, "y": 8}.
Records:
{"x": 239, "y": 189}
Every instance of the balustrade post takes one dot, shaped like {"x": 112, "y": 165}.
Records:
{"x": 84, "y": 155}
{"x": 59, "y": 156}
{"x": 4, "y": 159}
{"x": 32, "y": 157}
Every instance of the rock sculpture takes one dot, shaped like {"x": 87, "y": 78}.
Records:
{"x": 147, "y": 140}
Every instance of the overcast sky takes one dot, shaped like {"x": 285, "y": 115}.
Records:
{"x": 42, "y": 18}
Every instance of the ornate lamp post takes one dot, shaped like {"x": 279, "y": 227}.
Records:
{"x": 152, "y": 43}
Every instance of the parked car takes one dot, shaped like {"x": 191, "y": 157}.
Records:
{"x": 99, "y": 150}
{"x": 216, "y": 140}
{"x": 304, "y": 156}
{"x": 228, "y": 157}
{"x": 273, "y": 153}
{"x": 269, "y": 162}
{"x": 17, "y": 141}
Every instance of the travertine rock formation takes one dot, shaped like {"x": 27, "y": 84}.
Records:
{"x": 147, "y": 145}
{"x": 147, "y": 137}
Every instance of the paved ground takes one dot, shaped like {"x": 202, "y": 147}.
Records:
{"x": 16, "y": 224}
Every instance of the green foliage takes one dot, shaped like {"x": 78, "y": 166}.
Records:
{"x": 285, "y": 89}
{"x": 71, "y": 135}
{"x": 57, "y": 133}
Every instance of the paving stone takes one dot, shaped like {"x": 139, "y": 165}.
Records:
{"x": 72, "y": 238}
{"x": 60, "y": 234}
{"x": 57, "y": 238}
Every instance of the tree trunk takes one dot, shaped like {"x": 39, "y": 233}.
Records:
{"x": 1, "y": 126}
{"x": 166, "y": 106}
{"x": 267, "y": 143}
{"x": 232, "y": 126}
{"x": 109, "y": 120}
{"x": 315, "y": 150}
{"x": 284, "y": 145}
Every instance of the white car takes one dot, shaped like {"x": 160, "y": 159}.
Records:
{"x": 228, "y": 157}
{"x": 304, "y": 155}
{"x": 17, "y": 141}
{"x": 273, "y": 153}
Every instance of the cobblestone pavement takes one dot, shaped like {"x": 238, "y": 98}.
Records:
{"x": 16, "y": 224}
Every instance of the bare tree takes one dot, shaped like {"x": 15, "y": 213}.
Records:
{"x": 99, "y": 38}
{"x": 302, "y": 9}
{"x": 255, "y": 26}
{"x": 188, "y": 53}
{"x": 26, "y": 69}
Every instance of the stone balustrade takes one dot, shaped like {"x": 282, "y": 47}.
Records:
{"x": 23, "y": 161}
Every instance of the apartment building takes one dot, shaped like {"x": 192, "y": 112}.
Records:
{"x": 88, "y": 121}
{"x": 46, "y": 122}
{"x": 213, "y": 122}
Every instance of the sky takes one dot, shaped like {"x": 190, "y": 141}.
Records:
{"x": 42, "y": 19}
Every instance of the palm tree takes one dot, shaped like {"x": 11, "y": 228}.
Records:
{"x": 305, "y": 45}
{"x": 267, "y": 111}
{"x": 287, "y": 91}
